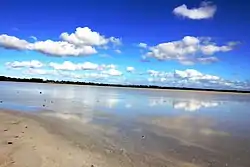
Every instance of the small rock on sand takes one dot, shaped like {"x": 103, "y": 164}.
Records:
{"x": 9, "y": 142}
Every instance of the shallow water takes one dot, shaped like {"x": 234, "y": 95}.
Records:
{"x": 191, "y": 128}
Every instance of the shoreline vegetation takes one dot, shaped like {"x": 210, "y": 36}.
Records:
{"x": 38, "y": 80}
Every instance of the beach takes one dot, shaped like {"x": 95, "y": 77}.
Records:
{"x": 26, "y": 142}
{"x": 49, "y": 125}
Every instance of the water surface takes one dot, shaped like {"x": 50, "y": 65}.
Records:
{"x": 154, "y": 126}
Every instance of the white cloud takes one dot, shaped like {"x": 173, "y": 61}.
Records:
{"x": 118, "y": 51}
{"x": 211, "y": 49}
{"x": 109, "y": 66}
{"x": 81, "y": 43}
{"x": 143, "y": 45}
{"x": 205, "y": 11}
{"x": 27, "y": 64}
{"x": 194, "y": 75}
{"x": 85, "y": 36}
{"x": 89, "y": 66}
{"x": 187, "y": 78}
{"x": 33, "y": 37}
{"x": 207, "y": 60}
{"x": 113, "y": 72}
{"x": 188, "y": 51}
{"x": 115, "y": 41}
{"x": 49, "y": 47}
{"x": 67, "y": 65}
{"x": 61, "y": 48}
{"x": 39, "y": 72}
{"x": 11, "y": 42}
{"x": 153, "y": 73}
{"x": 130, "y": 69}
{"x": 163, "y": 79}
{"x": 95, "y": 75}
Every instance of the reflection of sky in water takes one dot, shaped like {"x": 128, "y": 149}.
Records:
{"x": 169, "y": 119}
{"x": 193, "y": 105}
{"x": 82, "y": 102}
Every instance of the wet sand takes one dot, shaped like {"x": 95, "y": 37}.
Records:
{"x": 31, "y": 140}
{"x": 24, "y": 142}
{"x": 28, "y": 140}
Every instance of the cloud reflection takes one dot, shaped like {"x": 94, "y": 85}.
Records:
{"x": 111, "y": 102}
{"x": 83, "y": 118}
{"x": 194, "y": 105}
{"x": 191, "y": 105}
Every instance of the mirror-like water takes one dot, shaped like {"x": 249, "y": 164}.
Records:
{"x": 193, "y": 127}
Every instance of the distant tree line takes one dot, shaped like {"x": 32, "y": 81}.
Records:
{"x": 38, "y": 80}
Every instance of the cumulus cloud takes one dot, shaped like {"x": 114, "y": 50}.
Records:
{"x": 67, "y": 65}
{"x": 188, "y": 78}
{"x": 61, "y": 48}
{"x": 130, "y": 69}
{"x": 194, "y": 75}
{"x": 188, "y": 51}
{"x": 80, "y": 43}
{"x": 194, "y": 78}
{"x": 211, "y": 49}
{"x": 112, "y": 72}
{"x": 85, "y": 36}
{"x": 205, "y": 11}
{"x": 11, "y": 42}
{"x": 27, "y": 64}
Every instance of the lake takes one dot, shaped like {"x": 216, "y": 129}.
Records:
{"x": 202, "y": 128}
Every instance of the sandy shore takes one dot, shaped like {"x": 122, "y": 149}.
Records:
{"x": 35, "y": 140}
{"x": 25, "y": 143}
{"x": 32, "y": 141}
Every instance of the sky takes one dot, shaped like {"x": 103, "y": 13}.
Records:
{"x": 190, "y": 43}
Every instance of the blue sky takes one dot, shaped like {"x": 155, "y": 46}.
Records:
{"x": 169, "y": 43}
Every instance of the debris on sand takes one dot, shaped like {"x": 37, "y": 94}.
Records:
{"x": 1, "y": 101}
{"x": 15, "y": 122}
{"x": 40, "y": 92}
{"x": 9, "y": 142}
